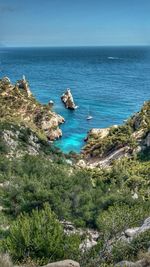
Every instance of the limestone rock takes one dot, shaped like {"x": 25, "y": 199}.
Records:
{"x": 65, "y": 263}
{"x": 90, "y": 236}
{"x": 133, "y": 232}
{"x": 67, "y": 99}
{"x": 5, "y": 81}
{"x": 54, "y": 134}
{"x": 5, "y": 261}
{"x": 147, "y": 140}
{"x": 51, "y": 103}
{"x": 81, "y": 163}
{"x": 50, "y": 126}
{"x": 25, "y": 86}
{"x": 135, "y": 196}
{"x": 101, "y": 133}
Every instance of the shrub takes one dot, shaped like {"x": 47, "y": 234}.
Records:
{"x": 129, "y": 251}
{"x": 39, "y": 237}
{"x": 118, "y": 218}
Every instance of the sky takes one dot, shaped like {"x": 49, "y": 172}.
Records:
{"x": 74, "y": 22}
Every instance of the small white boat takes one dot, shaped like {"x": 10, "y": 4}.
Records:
{"x": 89, "y": 117}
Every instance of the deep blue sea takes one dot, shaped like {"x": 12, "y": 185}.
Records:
{"x": 111, "y": 82}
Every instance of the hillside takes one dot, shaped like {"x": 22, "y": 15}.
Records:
{"x": 18, "y": 105}
{"x": 53, "y": 210}
{"x": 103, "y": 146}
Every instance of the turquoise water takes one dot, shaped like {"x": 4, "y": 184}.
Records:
{"x": 111, "y": 82}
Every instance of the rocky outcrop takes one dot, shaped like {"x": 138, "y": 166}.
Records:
{"x": 90, "y": 236}
{"x": 103, "y": 146}
{"x": 23, "y": 84}
{"x": 18, "y": 104}
{"x": 67, "y": 99}
{"x": 95, "y": 132}
{"x": 51, "y": 128}
{"x": 106, "y": 161}
{"x": 19, "y": 142}
{"x": 6, "y": 81}
{"x": 65, "y": 263}
{"x": 133, "y": 232}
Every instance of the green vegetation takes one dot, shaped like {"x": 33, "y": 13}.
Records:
{"x": 121, "y": 136}
{"x": 40, "y": 236}
{"x": 39, "y": 189}
{"x": 95, "y": 198}
{"x": 123, "y": 250}
{"x": 16, "y": 107}
{"x": 117, "y": 138}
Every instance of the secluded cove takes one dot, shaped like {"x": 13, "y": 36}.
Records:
{"x": 112, "y": 83}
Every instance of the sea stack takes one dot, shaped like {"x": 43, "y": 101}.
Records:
{"x": 67, "y": 99}
{"x": 23, "y": 84}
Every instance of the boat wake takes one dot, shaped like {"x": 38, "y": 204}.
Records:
{"x": 111, "y": 58}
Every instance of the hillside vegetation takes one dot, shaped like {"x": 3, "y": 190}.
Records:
{"x": 41, "y": 188}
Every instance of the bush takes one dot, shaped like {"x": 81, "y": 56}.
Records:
{"x": 39, "y": 237}
{"x": 129, "y": 251}
{"x": 118, "y": 218}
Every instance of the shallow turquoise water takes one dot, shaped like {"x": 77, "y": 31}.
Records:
{"x": 112, "y": 82}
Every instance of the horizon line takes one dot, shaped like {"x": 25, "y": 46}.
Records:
{"x": 76, "y": 46}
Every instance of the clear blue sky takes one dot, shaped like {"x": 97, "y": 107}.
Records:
{"x": 74, "y": 22}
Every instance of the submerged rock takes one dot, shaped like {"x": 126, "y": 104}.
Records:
{"x": 68, "y": 100}
{"x": 51, "y": 103}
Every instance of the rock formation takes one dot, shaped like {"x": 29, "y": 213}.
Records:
{"x": 24, "y": 85}
{"x": 133, "y": 232}
{"x": 67, "y": 99}
{"x": 6, "y": 81}
{"x": 65, "y": 263}
{"x": 19, "y": 104}
{"x": 103, "y": 146}
{"x": 91, "y": 236}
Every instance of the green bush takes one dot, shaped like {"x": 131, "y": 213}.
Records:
{"x": 120, "y": 217}
{"x": 130, "y": 251}
{"x": 39, "y": 236}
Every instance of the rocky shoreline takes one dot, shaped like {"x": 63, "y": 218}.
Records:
{"x": 22, "y": 106}
{"x": 104, "y": 146}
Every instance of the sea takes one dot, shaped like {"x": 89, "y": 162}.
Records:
{"x": 108, "y": 83}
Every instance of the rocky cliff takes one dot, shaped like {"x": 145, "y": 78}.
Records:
{"x": 18, "y": 104}
{"x": 103, "y": 146}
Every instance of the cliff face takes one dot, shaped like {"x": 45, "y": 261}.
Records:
{"x": 18, "y": 104}
{"x": 103, "y": 146}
